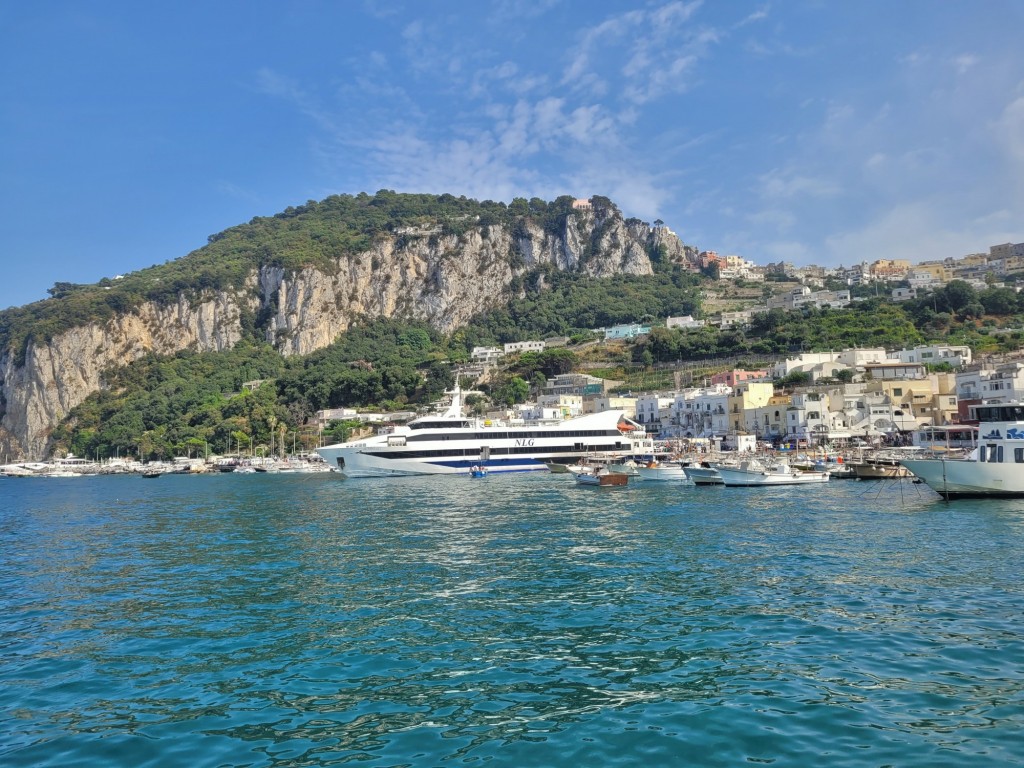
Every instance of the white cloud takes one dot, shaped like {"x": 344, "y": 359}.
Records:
{"x": 656, "y": 46}
{"x": 758, "y": 15}
{"x": 964, "y": 62}
{"x": 789, "y": 183}
{"x": 916, "y": 231}
{"x": 1008, "y": 130}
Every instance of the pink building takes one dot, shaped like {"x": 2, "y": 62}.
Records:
{"x": 732, "y": 378}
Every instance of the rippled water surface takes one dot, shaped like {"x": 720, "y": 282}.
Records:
{"x": 515, "y": 620}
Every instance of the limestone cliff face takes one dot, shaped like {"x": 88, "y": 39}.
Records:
{"x": 443, "y": 279}
{"x": 58, "y": 375}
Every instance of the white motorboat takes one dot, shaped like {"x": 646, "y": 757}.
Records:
{"x": 994, "y": 469}
{"x": 662, "y": 470}
{"x": 702, "y": 474}
{"x": 753, "y": 472}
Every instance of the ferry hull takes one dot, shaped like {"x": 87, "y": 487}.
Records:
{"x": 354, "y": 463}
{"x": 967, "y": 479}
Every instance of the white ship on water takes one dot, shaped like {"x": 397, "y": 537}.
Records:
{"x": 451, "y": 443}
{"x": 994, "y": 469}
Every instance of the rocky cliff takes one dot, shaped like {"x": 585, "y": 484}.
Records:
{"x": 418, "y": 273}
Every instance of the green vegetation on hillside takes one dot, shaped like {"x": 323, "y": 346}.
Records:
{"x": 561, "y": 304}
{"x": 316, "y": 234}
{"x": 162, "y": 407}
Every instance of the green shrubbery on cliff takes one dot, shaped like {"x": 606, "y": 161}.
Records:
{"x": 316, "y": 234}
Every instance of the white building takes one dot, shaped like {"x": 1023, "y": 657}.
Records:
{"x": 566, "y": 406}
{"x": 686, "y": 321}
{"x": 740, "y": 317}
{"x": 802, "y": 362}
{"x": 335, "y": 414}
{"x": 904, "y": 294}
{"x": 895, "y": 371}
{"x": 524, "y": 346}
{"x": 807, "y": 419}
{"x": 486, "y": 355}
{"x": 652, "y": 410}
{"x": 1003, "y": 383}
{"x": 858, "y": 358}
{"x": 919, "y": 279}
{"x": 956, "y": 356}
{"x": 701, "y": 412}
{"x": 535, "y": 412}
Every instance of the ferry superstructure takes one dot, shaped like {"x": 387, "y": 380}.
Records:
{"x": 451, "y": 443}
{"x": 994, "y": 469}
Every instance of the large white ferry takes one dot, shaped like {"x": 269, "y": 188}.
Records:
{"x": 994, "y": 469}
{"x": 451, "y": 443}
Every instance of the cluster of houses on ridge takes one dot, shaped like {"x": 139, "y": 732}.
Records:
{"x": 975, "y": 268}
{"x": 886, "y": 396}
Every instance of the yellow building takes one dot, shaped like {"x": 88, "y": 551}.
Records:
{"x": 938, "y": 272}
{"x": 931, "y": 399}
{"x": 744, "y": 401}
{"x": 889, "y": 269}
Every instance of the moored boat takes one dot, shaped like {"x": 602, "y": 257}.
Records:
{"x": 451, "y": 443}
{"x": 995, "y": 469}
{"x": 601, "y": 477}
{"x": 880, "y": 465}
{"x": 753, "y": 472}
{"x": 703, "y": 474}
{"x": 662, "y": 470}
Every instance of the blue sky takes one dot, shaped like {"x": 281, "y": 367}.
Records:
{"x": 815, "y": 132}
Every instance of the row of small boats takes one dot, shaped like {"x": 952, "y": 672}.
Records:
{"x": 749, "y": 471}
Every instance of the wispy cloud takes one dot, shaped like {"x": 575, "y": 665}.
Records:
{"x": 964, "y": 62}
{"x": 1008, "y": 129}
{"x": 759, "y": 15}
{"x": 789, "y": 183}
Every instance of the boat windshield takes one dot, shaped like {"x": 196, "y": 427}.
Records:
{"x": 991, "y": 413}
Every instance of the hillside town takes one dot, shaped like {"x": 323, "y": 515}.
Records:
{"x": 833, "y": 398}
{"x": 812, "y": 399}
{"x": 976, "y": 269}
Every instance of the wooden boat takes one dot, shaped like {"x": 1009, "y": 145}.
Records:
{"x": 600, "y": 477}
{"x": 882, "y": 465}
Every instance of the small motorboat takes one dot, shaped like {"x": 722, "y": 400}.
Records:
{"x": 478, "y": 470}
{"x": 600, "y": 476}
{"x": 663, "y": 470}
{"x": 703, "y": 474}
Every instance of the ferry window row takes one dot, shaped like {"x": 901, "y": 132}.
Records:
{"x": 475, "y": 452}
{"x": 487, "y": 437}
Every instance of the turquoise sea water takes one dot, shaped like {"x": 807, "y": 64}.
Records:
{"x": 513, "y": 620}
